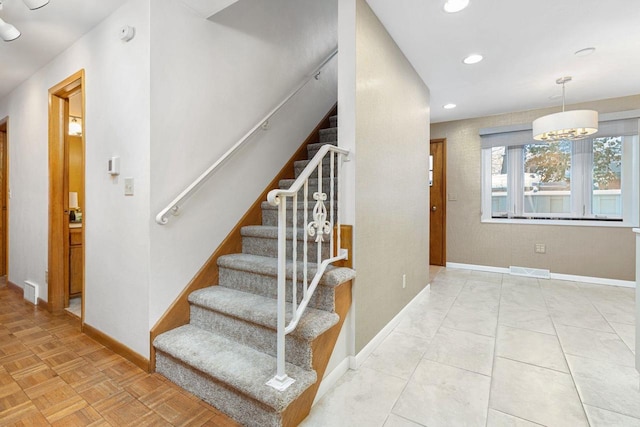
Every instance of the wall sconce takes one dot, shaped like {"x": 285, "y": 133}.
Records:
{"x": 75, "y": 126}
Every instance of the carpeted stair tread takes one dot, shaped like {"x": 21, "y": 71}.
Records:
{"x": 318, "y": 145}
{"x": 313, "y": 184}
{"x": 328, "y": 134}
{"x": 241, "y": 367}
{"x": 310, "y": 205}
{"x": 261, "y": 310}
{"x": 271, "y": 232}
{"x": 268, "y": 266}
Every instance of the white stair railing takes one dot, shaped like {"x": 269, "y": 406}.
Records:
{"x": 323, "y": 224}
{"x": 163, "y": 216}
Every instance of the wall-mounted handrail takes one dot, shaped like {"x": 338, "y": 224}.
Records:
{"x": 163, "y": 216}
{"x": 323, "y": 224}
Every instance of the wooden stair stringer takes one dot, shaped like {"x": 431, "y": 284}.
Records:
{"x": 322, "y": 348}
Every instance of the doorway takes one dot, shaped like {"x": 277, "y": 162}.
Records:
{"x": 4, "y": 191}
{"x": 66, "y": 194}
{"x": 438, "y": 202}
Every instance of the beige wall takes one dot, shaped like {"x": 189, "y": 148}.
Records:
{"x": 391, "y": 178}
{"x": 586, "y": 251}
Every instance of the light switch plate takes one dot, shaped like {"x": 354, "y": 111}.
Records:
{"x": 128, "y": 186}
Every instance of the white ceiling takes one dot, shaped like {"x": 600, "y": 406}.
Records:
{"x": 46, "y": 32}
{"x": 527, "y": 45}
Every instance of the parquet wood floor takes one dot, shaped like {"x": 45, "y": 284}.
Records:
{"x": 53, "y": 375}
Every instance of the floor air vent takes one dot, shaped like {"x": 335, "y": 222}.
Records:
{"x": 31, "y": 292}
{"x": 529, "y": 272}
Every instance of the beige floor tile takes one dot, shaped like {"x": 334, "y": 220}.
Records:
{"x": 580, "y": 316}
{"x": 471, "y": 320}
{"x": 540, "y": 395}
{"x": 397, "y": 355}
{"x": 606, "y": 385}
{"x": 461, "y": 349}
{"x": 396, "y": 421}
{"x": 420, "y": 324}
{"x": 627, "y": 333}
{"x": 595, "y": 345}
{"x": 517, "y": 316}
{"x": 530, "y": 347}
{"x": 440, "y": 395}
{"x": 360, "y": 398}
{"x": 603, "y": 418}
{"x": 524, "y": 296}
{"x": 500, "y": 419}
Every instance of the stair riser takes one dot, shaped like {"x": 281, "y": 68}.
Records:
{"x": 267, "y": 286}
{"x": 269, "y": 247}
{"x": 326, "y": 171}
{"x": 250, "y": 334}
{"x": 238, "y": 406}
{"x": 328, "y": 135}
{"x": 270, "y": 216}
{"x": 333, "y": 121}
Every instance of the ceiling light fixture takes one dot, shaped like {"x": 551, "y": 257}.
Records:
{"x": 449, "y": 106}
{"x": 585, "y": 52}
{"x": 567, "y": 125}
{"x": 8, "y": 32}
{"x": 453, "y": 6}
{"x": 473, "y": 59}
{"x": 35, "y": 4}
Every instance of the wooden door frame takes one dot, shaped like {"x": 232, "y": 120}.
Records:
{"x": 4, "y": 235}
{"x": 444, "y": 195}
{"x": 58, "y": 260}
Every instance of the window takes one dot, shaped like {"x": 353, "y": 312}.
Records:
{"x": 588, "y": 182}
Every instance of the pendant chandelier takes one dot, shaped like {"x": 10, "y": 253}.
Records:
{"x": 567, "y": 125}
{"x": 7, "y": 31}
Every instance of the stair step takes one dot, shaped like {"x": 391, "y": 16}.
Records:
{"x": 263, "y": 240}
{"x": 270, "y": 213}
{"x": 228, "y": 375}
{"x": 333, "y": 121}
{"x": 312, "y": 149}
{"x": 328, "y": 135}
{"x": 312, "y": 187}
{"x": 259, "y": 275}
{"x": 251, "y": 320}
{"x": 326, "y": 167}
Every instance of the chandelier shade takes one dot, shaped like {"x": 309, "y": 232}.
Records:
{"x": 567, "y": 125}
{"x": 35, "y": 4}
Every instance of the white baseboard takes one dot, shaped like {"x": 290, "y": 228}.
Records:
{"x": 332, "y": 378}
{"x": 557, "y": 276}
{"x": 380, "y": 336}
{"x": 476, "y": 267}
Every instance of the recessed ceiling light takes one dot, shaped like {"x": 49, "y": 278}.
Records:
{"x": 449, "y": 106}
{"x": 473, "y": 59}
{"x": 452, "y": 6}
{"x": 585, "y": 52}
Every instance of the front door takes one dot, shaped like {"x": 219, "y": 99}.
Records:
{"x": 438, "y": 204}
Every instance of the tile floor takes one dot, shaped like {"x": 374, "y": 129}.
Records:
{"x": 486, "y": 349}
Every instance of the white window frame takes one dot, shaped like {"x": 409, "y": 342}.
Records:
{"x": 581, "y": 194}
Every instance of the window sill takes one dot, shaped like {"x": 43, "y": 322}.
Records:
{"x": 568, "y": 223}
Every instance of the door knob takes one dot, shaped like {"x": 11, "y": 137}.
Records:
{"x": 433, "y": 208}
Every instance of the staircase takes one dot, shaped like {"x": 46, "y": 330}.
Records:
{"x": 226, "y": 354}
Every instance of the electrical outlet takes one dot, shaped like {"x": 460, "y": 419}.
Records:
{"x": 541, "y": 248}
{"x": 404, "y": 281}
